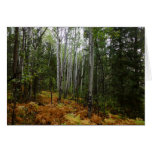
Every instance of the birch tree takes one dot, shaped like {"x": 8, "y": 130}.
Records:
{"x": 65, "y": 56}
{"x": 57, "y": 56}
{"x": 59, "y": 72}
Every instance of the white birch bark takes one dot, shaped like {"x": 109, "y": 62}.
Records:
{"x": 65, "y": 56}
{"x": 70, "y": 70}
{"x": 75, "y": 64}
{"x": 83, "y": 59}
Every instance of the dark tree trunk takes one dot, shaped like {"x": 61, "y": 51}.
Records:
{"x": 51, "y": 88}
{"x": 15, "y": 61}
{"x": 35, "y": 87}
{"x": 91, "y": 67}
{"x": 51, "y": 96}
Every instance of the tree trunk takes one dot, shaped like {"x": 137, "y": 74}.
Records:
{"x": 15, "y": 61}
{"x": 69, "y": 71}
{"x": 83, "y": 59}
{"x": 75, "y": 66}
{"x": 64, "y": 63}
{"x": 91, "y": 66}
{"x": 59, "y": 72}
{"x": 22, "y": 63}
{"x": 57, "y": 56}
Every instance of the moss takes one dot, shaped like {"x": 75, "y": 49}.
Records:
{"x": 140, "y": 122}
{"x": 109, "y": 121}
{"x": 60, "y": 105}
{"x": 9, "y": 96}
{"x": 73, "y": 120}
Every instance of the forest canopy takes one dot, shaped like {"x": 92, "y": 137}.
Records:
{"x": 90, "y": 74}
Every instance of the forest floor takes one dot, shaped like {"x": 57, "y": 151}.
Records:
{"x": 68, "y": 112}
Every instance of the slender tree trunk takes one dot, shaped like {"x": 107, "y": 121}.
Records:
{"x": 71, "y": 77}
{"x": 65, "y": 55}
{"x": 35, "y": 86}
{"x": 75, "y": 66}
{"x": 51, "y": 89}
{"x": 22, "y": 54}
{"x": 49, "y": 65}
{"x": 75, "y": 74}
{"x": 57, "y": 55}
{"x": 51, "y": 96}
{"x": 91, "y": 66}
{"x": 15, "y": 60}
{"x": 83, "y": 58}
{"x": 69, "y": 71}
{"x": 66, "y": 76}
{"x": 67, "y": 80}
{"x": 60, "y": 80}
{"x": 59, "y": 72}
{"x": 22, "y": 63}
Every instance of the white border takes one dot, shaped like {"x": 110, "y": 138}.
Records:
{"x": 75, "y": 13}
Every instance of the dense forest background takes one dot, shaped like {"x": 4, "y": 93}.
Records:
{"x": 100, "y": 68}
